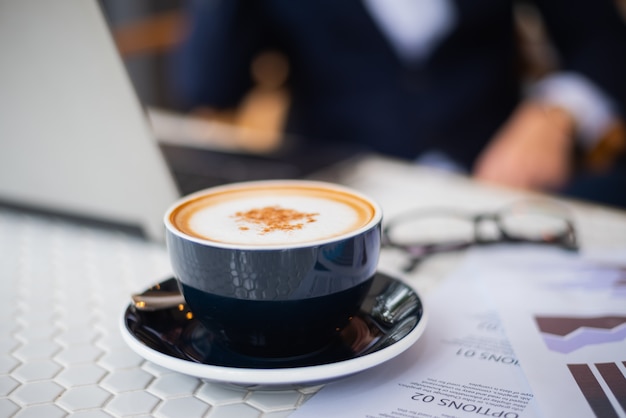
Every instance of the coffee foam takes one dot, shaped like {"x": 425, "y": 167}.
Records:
{"x": 288, "y": 215}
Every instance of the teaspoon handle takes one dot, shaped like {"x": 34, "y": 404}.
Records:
{"x": 153, "y": 303}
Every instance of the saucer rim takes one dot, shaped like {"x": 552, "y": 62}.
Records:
{"x": 279, "y": 376}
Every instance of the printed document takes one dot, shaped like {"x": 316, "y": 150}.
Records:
{"x": 566, "y": 320}
{"x": 462, "y": 366}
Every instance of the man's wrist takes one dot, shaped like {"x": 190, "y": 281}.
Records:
{"x": 591, "y": 109}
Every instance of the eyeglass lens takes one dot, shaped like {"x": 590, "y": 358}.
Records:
{"x": 421, "y": 233}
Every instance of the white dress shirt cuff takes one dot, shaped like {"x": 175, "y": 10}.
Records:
{"x": 590, "y": 107}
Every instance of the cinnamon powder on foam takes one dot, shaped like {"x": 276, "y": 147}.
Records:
{"x": 275, "y": 218}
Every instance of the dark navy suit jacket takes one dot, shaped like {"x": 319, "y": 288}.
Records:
{"x": 348, "y": 84}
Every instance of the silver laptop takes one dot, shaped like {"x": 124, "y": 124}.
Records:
{"x": 74, "y": 139}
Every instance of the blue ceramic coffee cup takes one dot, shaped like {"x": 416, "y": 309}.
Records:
{"x": 274, "y": 268}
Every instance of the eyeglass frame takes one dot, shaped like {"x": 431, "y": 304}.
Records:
{"x": 419, "y": 251}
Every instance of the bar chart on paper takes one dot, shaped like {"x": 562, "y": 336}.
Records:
{"x": 570, "y": 322}
{"x": 602, "y": 384}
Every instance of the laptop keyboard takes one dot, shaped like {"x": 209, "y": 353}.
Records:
{"x": 195, "y": 169}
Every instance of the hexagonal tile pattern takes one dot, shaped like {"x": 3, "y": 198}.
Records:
{"x": 61, "y": 351}
{"x": 132, "y": 403}
{"x": 35, "y": 331}
{"x": 121, "y": 358}
{"x": 239, "y": 410}
{"x": 108, "y": 342}
{"x": 38, "y": 411}
{"x": 7, "y": 384}
{"x": 216, "y": 393}
{"x": 80, "y": 374}
{"x": 8, "y": 344}
{"x": 36, "y": 370}
{"x": 8, "y": 363}
{"x": 76, "y": 335}
{"x": 154, "y": 369}
{"x": 84, "y": 397}
{"x": 36, "y": 350}
{"x": 273, "y": 400}
{"x": 83, "y": 353}
{"x": 174, "y": 384}
{"x": 126, "y": 380}
{"x": 8, "y": 407}
{"x": 182, "y": 407}
{"x": 37, "y": 392}
{"x": 278, "y": 414}
{"x": 92, "y": 413}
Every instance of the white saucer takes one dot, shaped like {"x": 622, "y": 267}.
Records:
{"x": 391, "y": 320}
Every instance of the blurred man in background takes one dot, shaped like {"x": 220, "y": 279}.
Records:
{"x": 441, "y": 82}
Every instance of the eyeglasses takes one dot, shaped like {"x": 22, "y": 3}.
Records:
{"x": 423, "y": 232}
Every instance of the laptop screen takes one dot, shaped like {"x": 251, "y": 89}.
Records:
{"x": 73, "y": 136}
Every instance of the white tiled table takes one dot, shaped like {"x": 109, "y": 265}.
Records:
{"x": 64, "y": 287}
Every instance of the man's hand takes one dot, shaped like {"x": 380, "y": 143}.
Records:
{"x": 532, "y": 150}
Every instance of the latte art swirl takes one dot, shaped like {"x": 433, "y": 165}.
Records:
{"x": 272, "y": 214}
